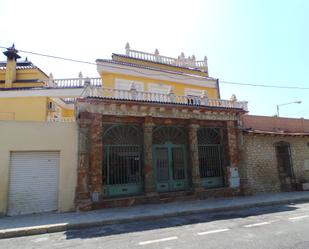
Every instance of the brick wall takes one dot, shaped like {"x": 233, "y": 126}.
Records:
{"x": 259, "y": 158}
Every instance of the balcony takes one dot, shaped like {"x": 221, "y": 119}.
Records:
{"x": 170, "y": 98}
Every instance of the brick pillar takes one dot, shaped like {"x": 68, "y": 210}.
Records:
{"x": 148, "y": 163}
{"x": 232, "y": 133}
{"x": 96, "y": 157}
{"x": 193, "y": 147}
{"x": 82, "y": 198}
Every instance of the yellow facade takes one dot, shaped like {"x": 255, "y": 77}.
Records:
{"x": 109, "y": 80}
{"x": 23, "y": 109}
{"x": 23, "y": 74}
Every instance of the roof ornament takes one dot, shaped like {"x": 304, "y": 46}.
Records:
{"x": 11, "y": 53}
{"x": 156, "y": 53}
{"x": 127, "y": 49}
{"x": 233, "y": 98}
{"x": 51, "y": 80}
{"x": 80, "y": 78}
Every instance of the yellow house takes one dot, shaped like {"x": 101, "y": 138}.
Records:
{"x": 21, "y": 95}
{"x": 28, "y": 94}
{"x": 158, "y": 74}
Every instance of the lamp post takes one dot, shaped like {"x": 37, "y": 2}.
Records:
{"x": 294, "y": 102}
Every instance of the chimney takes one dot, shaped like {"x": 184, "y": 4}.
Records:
{"x": 10, "y": 73}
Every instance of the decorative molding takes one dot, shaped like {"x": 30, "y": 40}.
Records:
{"x": 103, "y": 67}
{"x": 155, "y": 111}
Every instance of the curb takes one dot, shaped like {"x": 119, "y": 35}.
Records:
{"x": 27, "y": 231}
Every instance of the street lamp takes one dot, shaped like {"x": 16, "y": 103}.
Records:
{"x": 294, "y": 102}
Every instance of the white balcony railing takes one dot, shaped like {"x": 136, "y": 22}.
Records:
{"x": 181, "y": 61}
{"x": 73, "y": 82}
{"x": 132, "y": 94}
{"x": 61, "y": 119}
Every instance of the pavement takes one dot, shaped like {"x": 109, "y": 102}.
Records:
{"x": 24, "y": 225}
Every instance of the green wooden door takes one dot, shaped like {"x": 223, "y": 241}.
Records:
{"x": 170, "y": 167}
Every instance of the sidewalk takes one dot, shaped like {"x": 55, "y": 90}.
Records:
{"x": 55, "y": 222}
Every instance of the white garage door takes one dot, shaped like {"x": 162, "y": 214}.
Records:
{"x": 33, "y": 186}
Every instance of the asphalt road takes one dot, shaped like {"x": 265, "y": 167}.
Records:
{"x": 284, "y": 226}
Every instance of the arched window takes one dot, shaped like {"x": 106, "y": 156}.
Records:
{"x": 122, "y": 160}
{"x": 210, "y": 156}
{"x": 172, "y": 134}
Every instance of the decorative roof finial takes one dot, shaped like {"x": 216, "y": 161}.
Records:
{"x": 156, "y": 52}
{"x": 127, "y": 48}
{"x": 233, "y": 98}
{"x": 11, "y": 53}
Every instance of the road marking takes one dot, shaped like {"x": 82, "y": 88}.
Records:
{"x": 299, "y": 217}
{"x": 257, "y": 224}
{"x": 157, "y": 240}
{"x": 214, "y": 231}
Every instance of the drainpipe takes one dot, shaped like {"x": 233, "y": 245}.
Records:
{"x": 218, "y": 89}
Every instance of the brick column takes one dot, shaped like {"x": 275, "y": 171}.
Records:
{"x": 148, "y": 163}
{"x": 232, "y": 142}
{"x": 96, "y": 157}
{"x": 82, "y": 197}
{"x": 193, "y": 147}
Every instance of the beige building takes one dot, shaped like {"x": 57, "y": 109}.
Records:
{"x": 38, "y": 167}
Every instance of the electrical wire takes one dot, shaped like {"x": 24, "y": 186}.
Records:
{"x": 149, "y": 74}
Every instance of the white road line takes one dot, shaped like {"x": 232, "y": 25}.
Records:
{"x": 257, "y": 224}
{"x": 157, "y": 240}
{"x": 213, "y": 231}
{"x": 299, "y": 217}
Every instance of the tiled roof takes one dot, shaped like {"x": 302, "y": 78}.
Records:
{"x": 152, "y": 68}
{"x": 219, "y": 108}
{"x": 19, "y": 65}
{"x": 276, "y": 125}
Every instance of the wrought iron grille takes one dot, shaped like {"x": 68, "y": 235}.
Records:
{"x": 178, "y": 163}
{"x": 162, "y": 164}
{"x": 172, "y": 134}
{"x": 122, "y": 164}
{"x": 210, "y": 152}
{"x": 122, "y": 155}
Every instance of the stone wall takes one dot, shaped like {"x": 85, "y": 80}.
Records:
{"x": 259, "y": 159}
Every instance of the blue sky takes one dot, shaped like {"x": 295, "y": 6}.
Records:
{"x": 250, "y": 41}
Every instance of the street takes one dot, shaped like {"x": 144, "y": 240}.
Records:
{"x": 283, "y": 226}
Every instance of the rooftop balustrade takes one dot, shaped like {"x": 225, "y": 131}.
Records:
{"x": 170, "y": 98}
{"x": 181, "y": 61}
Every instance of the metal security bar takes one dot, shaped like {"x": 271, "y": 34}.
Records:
{"x": 210, "y": 156}
{"x": 210, "y": 161}
{"x": 122, "y": 164}
{"x": 162, "y": 164}
{"x": 178, "y": 163}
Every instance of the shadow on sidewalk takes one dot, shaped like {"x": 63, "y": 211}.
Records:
{"x": 182, "y": 220}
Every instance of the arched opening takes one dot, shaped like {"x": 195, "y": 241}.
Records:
{"x": 122, "y": 160}
{"x": 170, "y": 158}
{"x": 210, "y": 157}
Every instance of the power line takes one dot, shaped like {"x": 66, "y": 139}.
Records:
{"x": 149, "y": 74}
{"x": 263, "y": 85}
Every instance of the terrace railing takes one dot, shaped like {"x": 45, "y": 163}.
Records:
{"x": 181, "y": 61}
{"x": 133, "y": 94}
{"x": 73, "y": 82}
